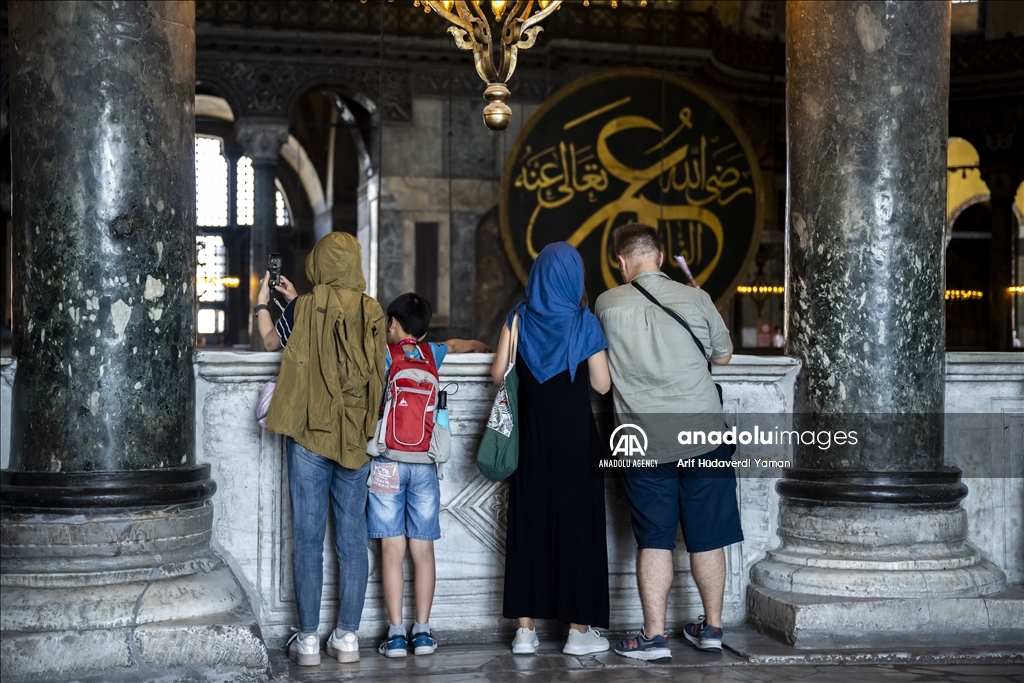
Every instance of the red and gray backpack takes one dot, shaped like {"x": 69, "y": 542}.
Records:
{"x": 407, "y": 432}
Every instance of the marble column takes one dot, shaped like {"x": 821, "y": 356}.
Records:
{"x": 261, "y": 138}
{"x": 103, "y": 501}
{"x": 874, "y": 546}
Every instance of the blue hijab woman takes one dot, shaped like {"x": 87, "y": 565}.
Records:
{"x": 556, "y": 332}
{"x": 556, "y": 557}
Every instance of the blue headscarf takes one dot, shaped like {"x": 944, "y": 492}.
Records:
{"x": 556, "y": 333}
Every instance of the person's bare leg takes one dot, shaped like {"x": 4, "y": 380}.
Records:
{"x": 526, "y": 622}
{"x": 582, "y": 628}
{"x": 423, "y": 560}
{"x": 654, "y": 578}
{"x": 709, "y": 574}
{"x": 392, "y": 554}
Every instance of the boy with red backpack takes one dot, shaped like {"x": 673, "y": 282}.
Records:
{"x": 405, "y": 497}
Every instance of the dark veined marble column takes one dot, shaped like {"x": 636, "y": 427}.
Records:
{"x": 261, "y": 138}
{"x": 867, "y": 187}
{"x": 106, "y": 564}
{"x": 102, "y": 129}
{"x": 873, "y": 537}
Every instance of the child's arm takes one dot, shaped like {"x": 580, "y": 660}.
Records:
{"x": 467, "y": 346}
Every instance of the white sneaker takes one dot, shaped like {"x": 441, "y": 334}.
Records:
{"x": 585, "y": 643}
{"x": 344, "y": 649}
{"x": 526, "y": 642}
{"x": 304, "y": 651}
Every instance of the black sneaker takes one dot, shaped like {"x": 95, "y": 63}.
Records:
{"x": 642, "y": 647}
{"x": 705, "y": 637}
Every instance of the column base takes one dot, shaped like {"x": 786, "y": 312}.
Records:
{"x": 808, "y": 621}
{"x": 127, "y": 596}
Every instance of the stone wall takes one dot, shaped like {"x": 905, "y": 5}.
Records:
{"x": 251, "y": 522}
{"x": 443, "y": 166}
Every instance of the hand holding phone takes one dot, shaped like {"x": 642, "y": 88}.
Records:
{"x": 274, "y": 266}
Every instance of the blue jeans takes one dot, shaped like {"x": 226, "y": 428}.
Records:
{"x": 313, "y": 481}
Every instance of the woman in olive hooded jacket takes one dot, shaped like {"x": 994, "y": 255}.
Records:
{"x": 326, "y": 403}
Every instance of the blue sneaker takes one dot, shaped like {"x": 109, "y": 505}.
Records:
{"x": 642, "y": 647}
{"x": 395, "y": 646}
{"x": 705, "y": 637}
{"x": 423, "y": 643}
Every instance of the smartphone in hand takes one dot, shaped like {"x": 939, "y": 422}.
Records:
{"x": 274, "y": 266}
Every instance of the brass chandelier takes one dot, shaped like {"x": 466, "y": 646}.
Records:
{"x": 495, "y": 59}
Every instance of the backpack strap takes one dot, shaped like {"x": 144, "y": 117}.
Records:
{"x": 675, "y": 316}
{"x": 428, "y": 354}
{"x": 399, "y": 355}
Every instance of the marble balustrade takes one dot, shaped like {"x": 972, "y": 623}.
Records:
{"x": 251, "y": 527}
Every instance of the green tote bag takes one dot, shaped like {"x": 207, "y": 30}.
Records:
{"x": 498, "y": 455}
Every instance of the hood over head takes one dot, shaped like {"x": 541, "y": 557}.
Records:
{"x": 337, "y": 261}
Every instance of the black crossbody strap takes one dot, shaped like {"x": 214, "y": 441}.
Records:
{"x": 675, "y": 316}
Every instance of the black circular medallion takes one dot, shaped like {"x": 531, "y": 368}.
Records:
{"x": 634, "y": 145}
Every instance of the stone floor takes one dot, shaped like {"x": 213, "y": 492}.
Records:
{"x": 749, "y": 658}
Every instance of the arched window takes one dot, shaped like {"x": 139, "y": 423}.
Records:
{"x": 211, "y": 255}
{"x": 211, "y": 183}
{"x": 214, "y": 199}
{"x": 246, "y": 197}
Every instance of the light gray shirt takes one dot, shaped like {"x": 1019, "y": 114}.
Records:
{"x": 655, "y": 366}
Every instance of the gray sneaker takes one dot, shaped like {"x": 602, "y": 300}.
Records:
{"x": 706, "y": 637}
{"x": 586, "y": 643}
{"x": 526, "y": 642}
{"x": 344, "y": 649}
{"x": 304, "y": 651}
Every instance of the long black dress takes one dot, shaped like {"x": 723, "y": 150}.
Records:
{"x": 556, "y": 553}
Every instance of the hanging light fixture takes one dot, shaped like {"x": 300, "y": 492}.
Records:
{"x": 495, "y": 63}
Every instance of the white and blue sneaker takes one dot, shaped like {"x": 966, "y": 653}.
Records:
{"x": 395, "y": 646}
{"x": 423, "y": 643}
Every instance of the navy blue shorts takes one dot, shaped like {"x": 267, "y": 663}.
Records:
{"x": 704, "y": 501}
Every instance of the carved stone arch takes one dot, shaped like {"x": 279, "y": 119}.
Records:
{"x": 342, "y": 86}
{"x": 363, "y": 86}
{"x": 353, "y": 94}
{"x": 220, "y": 87}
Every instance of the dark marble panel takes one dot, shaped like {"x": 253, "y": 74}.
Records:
{"x": 867, "y": 98}
{"x": 463, "y": 274}
{"x": 102, "y": 130}
{"x": 498, "y": 289}
{"x": 473, "y": 145}
{"x": 390, "y": 261}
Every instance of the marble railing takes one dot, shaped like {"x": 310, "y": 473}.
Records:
{"x": 252, "y": 528}
{"x": 252, "y": 518}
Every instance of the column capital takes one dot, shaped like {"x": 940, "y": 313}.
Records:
{"x": 261, "y": 137}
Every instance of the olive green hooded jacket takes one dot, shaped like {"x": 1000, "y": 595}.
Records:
{"x": 332, "y": 369}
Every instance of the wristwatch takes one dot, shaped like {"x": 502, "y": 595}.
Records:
{"x": 260, "y": 307}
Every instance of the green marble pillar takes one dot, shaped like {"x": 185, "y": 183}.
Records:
{"x": 102, "y": 129}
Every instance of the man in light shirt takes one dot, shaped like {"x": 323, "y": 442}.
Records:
{"x": 659, "y": 368}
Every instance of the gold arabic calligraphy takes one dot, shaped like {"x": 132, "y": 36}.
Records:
{"x": 561, "y": 172}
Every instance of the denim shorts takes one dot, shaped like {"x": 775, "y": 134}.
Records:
{"x": 703, "y": 501}
{"x": 405, "y": 500}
